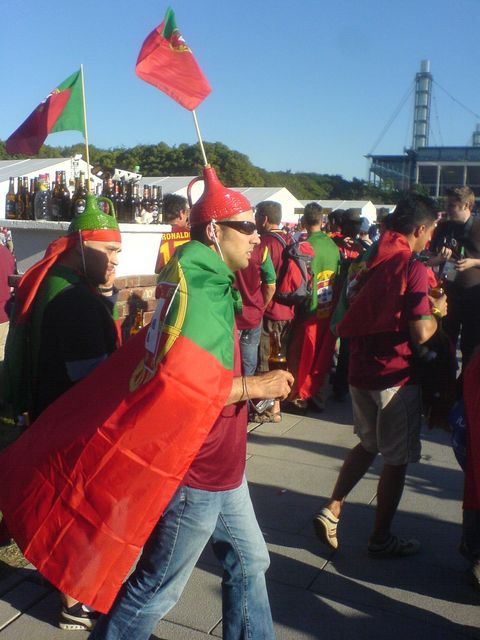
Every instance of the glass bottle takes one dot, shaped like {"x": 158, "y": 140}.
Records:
{"x": 10, "y": 209}
{"x": 19, "y": 201}
{"x": 79, "y": 201}
{"x": 277, "y": 358}
{"x": 137, "y": 322}
{"x": 42, "y": 205}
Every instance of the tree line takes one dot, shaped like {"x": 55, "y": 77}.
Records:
{"x": 233, "y": 168}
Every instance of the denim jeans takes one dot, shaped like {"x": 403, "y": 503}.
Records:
{"x": 249, "y": 341}
{"x": 170, "y": 554}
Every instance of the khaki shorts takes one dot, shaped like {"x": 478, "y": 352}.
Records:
{"x": 283, "y": 328}
{"x": 388, "y": 421}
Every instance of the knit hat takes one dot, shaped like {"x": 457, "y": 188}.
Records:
{"x": 216, "y": 202}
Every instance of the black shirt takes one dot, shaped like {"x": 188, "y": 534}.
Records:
{"x": 77, "y": 332}
{"x": 464, "y": 240}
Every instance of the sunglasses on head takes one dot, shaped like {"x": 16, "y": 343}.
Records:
{"x": 243, "y": 226}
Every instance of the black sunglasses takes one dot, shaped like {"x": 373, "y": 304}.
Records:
{"x": 243, "y": 226}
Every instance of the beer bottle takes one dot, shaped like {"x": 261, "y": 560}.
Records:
{"x": 119, "y": 201}
{"x": 154, "y": 204}
{"x": 26, "y": 199}
{"x": 277, "y": 358}
{"x": 79, "y": 201}
{"x": 137, "y": 323}
{"x": 42, "y": 206}
{"x": 56, "y": 197}
{"x": 132, "y": 205}
{"x": 145, "y": 213}
{"x": 19, "y": 201}
{"x": 65, "y": 200}
{"x": 10, "y": 208}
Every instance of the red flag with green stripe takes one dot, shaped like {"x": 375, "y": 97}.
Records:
{"x": 62, "y": 110}
{"x": 167, "y": 62}
{"x": 83, "y": 487}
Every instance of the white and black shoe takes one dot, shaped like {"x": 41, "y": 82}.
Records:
{"x": 77, "y": 617}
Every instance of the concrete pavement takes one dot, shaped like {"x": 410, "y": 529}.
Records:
{"x": 316, "y": 593}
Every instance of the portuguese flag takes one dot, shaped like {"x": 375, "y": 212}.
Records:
{"x": 166, "y": 61}
{"x": 471, "y": 397}
{"x": 62, "y": 110}
{"x": 84, "y": 486}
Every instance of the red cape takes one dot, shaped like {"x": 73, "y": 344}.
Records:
{"x": 471, "y": 396}
{"x": 378, "y": 305}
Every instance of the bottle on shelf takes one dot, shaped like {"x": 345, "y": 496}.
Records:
{"x": 119, "y": 200}
{"x": 154, "y": 209}
{"x": 19, "y": 201}
{"x": 137, "y": 322}
{"x": 42, "y": 206}
{"x": 79, "y": 201}
{"x": 57, "y": 197}
{"x": 65, "y": 199}
{"x": 26, "y": 200}
{"x": 132, "y": 203}
{"x": 10, "y": 209}
{"x": 145, "y": 206}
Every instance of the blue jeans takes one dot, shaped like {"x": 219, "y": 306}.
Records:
{"x": 249, "y": 341}
{"x": 170, "y": 554}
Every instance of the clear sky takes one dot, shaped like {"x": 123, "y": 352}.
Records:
{"x": 302, "y": 86}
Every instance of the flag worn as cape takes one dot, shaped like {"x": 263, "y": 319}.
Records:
{"x": 167, "y": 62}
{"x": 311, "y": 343}
{"x": 62, "y": 110}
{"x": 471, "y": 398}
{"x": 384, "y": 279}
{"x": 83, "y": 487}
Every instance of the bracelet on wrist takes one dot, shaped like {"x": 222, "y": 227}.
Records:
{"x": 437, "y": 313}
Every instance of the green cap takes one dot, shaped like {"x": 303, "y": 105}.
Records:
{"x": 93, "y": 218}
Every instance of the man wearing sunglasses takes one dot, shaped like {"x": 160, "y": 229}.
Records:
{"x": 212, "y": 500}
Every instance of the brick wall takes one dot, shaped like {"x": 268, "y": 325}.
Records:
{"x": 135, "y": 292}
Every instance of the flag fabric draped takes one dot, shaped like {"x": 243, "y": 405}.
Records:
{"x": 471, "y": 397}
{"x": 166, "y": 62}
{"x": 62, "y": 110}
{"x": 83, "y": 487}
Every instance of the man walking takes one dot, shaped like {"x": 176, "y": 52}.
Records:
{"x": 385, "y": 393}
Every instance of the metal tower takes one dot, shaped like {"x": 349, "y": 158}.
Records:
{"x": 423, "y": 94}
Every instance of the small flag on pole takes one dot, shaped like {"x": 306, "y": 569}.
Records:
{"x": 167, "y": 62}
{"x": 62, "y": 110}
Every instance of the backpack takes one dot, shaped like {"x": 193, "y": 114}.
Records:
{"x": 294, "y": 281}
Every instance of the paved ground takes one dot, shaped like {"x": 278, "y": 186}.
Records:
{"x": 314, "y": 593}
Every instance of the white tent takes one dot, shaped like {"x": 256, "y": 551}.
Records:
{"x": 366, "y": 206}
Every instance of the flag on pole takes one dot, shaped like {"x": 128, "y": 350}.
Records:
{"x": 62, "y": 110}
{"x": 167, "y": 62}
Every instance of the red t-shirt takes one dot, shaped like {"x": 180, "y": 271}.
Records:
{"x": 249, "y": 282}
{"x": 383, "y": 360}
{"x": 220, "y": 463}
{"x": 276, "y": 311}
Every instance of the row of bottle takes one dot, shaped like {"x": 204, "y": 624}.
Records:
{"x": 37, "y": 201}
{"x": 129, "y": 206}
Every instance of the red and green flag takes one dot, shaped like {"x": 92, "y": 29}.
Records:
{"x": 167, "y": 62}
{"x": 62, "y": 110}
{"x": 85, "y": 484}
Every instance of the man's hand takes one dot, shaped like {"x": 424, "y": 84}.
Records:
{"x": 442, "y": 256}
{"x": 466, "y": 263}
{"x": 271, "y": 385}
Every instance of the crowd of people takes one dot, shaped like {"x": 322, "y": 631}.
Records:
{"x": 253, "y": 318}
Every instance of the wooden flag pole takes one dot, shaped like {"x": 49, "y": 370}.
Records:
{"x": 87, "y": 153}
{"x": 202, "y": 149}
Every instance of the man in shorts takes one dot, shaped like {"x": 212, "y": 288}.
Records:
{"x": 385, "y": 392}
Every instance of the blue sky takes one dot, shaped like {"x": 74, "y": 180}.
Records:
{"x": 300, "y": 86}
